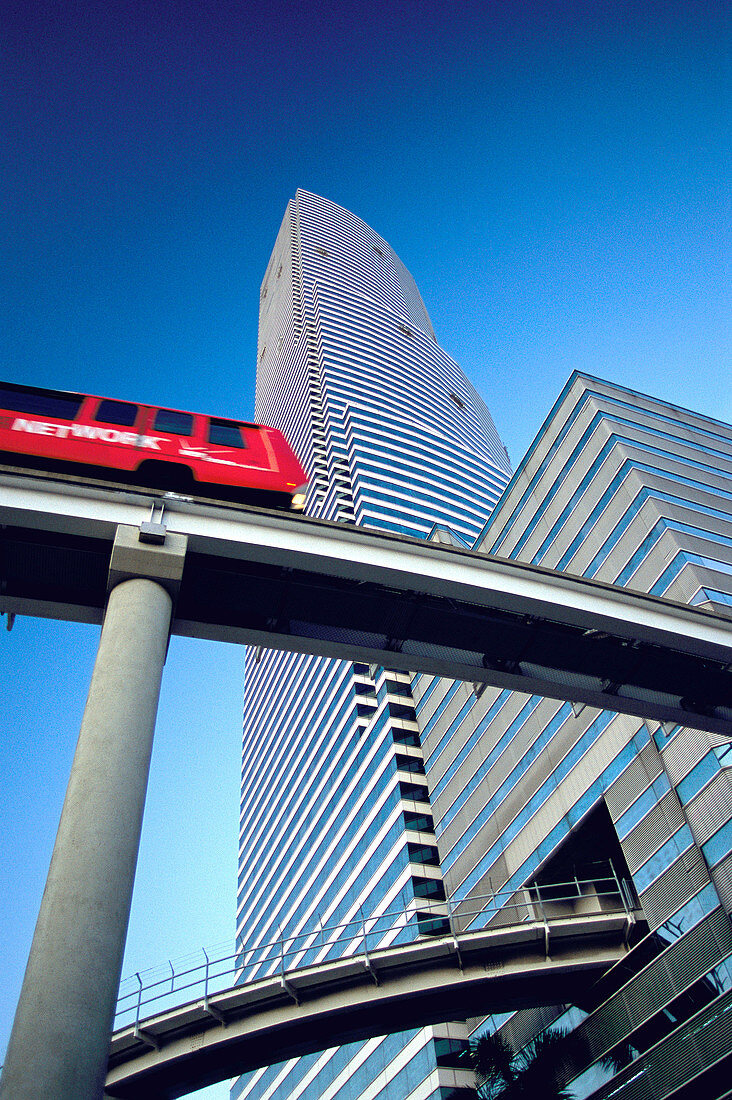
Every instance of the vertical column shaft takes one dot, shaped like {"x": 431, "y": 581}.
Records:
{"x": 60, "y": 1039}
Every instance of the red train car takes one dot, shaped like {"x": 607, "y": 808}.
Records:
{"x": 145, "y": 445}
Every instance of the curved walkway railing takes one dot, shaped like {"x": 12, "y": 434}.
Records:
{"x": 199, "y": 976}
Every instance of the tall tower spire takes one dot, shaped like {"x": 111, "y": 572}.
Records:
{"x": 335, "y": 811}
{"x": 390, "y": 429}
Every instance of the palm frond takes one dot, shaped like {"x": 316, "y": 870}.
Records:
{"x": 492, "y": 1059}
{"x": 546, "y": 1062}
{"x": 538, "y": 1070}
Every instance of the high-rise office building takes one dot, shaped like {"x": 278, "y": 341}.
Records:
{"x": 335, "y": 815}
{"x": 630, "y": 490}
{"x": 365, "y": 792}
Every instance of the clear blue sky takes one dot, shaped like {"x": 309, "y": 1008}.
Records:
{"x": 553, "y": 175}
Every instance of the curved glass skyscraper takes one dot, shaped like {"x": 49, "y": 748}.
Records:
{"x": 335, "y": 813}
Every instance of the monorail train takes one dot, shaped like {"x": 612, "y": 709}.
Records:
{"x": 143, "y": 445}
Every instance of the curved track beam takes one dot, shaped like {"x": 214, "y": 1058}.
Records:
{"x": 337, "y": 1002}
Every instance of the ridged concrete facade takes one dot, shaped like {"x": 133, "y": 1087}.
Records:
{"x": 633, "y": 491}
{"x": 335, "y": 815}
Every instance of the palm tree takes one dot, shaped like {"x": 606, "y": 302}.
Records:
{"x": 536, "y": 1072}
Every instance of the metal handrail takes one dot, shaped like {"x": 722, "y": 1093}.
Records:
{"x": 163, "y": 987}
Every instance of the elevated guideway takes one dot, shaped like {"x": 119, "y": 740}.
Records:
{"x": 291, "y": 582}
{"x": 144, "y": 565}
{"x": 532, "y": 953}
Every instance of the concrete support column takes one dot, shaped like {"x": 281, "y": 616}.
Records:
{"x": 60, "y": 1039}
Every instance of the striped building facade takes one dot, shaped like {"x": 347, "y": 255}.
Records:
{"x": 335, "y": 821}
{"x": 633, "y": 491}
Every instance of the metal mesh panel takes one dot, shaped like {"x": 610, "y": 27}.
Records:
{"x": 711, "y": 808}
{"x": 722, "y": 876}
{"x": 676, "y": 1059}
{"x": 632, "y": 782}
{"x": 658, "y": 983}
{"x": 704, "y": 1039}
{"x": 668, "y": 893}
{"x": 684, "y": 1053}
{"x": 524, "y": 1026}
{"x": 686, "y": 750}
{"x": 652, "y": 831}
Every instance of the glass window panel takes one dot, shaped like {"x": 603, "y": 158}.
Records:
{"x": 420, "y": 822}
{"x": 423, "y": 853}
{"x": 663, "y": 858}
{"x": 225, "y": 433}
{"x": 409, "y": 764}
{"x": 723, "y": 754}
{"x": 688, "y": 915}
{"x": 116, "y": 412}
{"x": 642, "y": 805}
{"x": 700, "y": 774}
{"x": 177, "y": 423}
{"x": 413, "y": 791}
{"x": 62, "y": 406}
{"x": 428, "y": 888}
{"x": 719, "y": 845}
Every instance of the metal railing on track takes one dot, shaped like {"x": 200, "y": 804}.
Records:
{"x": 210, "y": 971}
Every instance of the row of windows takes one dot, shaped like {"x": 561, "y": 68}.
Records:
{"x": 409, "y": 764}
{"x": 572, "y": 816}
{"x": 642, "y": 805}
{"x": 292, "y": 878}
{"x": 423, "y": 853}
{"x": 644, "y": 494}
{"x": 295, "y": 839}
{"x": 577, "y": 451}
{"x": 280, "y": 1081}
{"x": 124, "y": 414}
{"x": 662, "y": 858}
{"x": 332, "y": 899}
{"x": 530, "y": 753}
{"x": 719, "y": 757}
{"x": 287, "y": 830}
{"x": 327, "y": 711}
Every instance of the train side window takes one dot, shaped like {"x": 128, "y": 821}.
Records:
{"x": 116, "y": 412}
{"x": 225, "y": 433}
{"x": 176, "y": 423}
{"x": 40, "y": 403}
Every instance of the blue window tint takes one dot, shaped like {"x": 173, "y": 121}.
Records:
{"x": 642, "y": 805}
{"x": 712, "y": 595}
{"x": 530, "y": 865}
{"x": 226, "y": 433}
{"x": 718, "y": 845}
{"x": 177, "y": 423}
{"x": 429, "y": 725}
{"x": 62, "y": 406}
{"x": 424, "y": 698}
{"x": 705, "y": 770}
{"x": 721, "y": 975}
{"x": 454, "y": 725}
{"x": 471, "y": 742}
{"x": 664, "y": 733}
{"x": 689, "y": 914}
{"x": 566, "y": 764}
{"x": 527, "y": 759}
{"x": 648, "y": 542}
{"x": 663, "y": 858}
{"x": 723, "y": 754}
{"x": 116, "y": 412}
